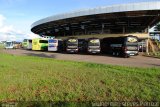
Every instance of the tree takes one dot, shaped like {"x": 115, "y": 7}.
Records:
{"x": 157, "y": 28}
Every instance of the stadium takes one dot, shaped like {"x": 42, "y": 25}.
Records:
{"x": 117, "y": 19}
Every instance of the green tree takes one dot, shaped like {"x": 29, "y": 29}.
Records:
{"x": 157, "y": 27}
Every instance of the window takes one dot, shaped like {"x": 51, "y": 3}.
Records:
{"x": 53, "y": 41}
{"x": 43, "y": 41}
{"x": 94, "y": 42}
{"x": 132, "y": 39}
{"x": 30, "y": 41}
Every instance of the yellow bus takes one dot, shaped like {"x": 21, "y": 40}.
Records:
{"x": 39, "y": 44}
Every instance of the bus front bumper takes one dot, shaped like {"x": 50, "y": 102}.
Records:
{"x": 132, "y": 53}
{"x": 94, "y": 51}
{"x": 72, "y": 50}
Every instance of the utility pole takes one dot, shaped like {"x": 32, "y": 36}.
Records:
{"x": 147, "y": 44}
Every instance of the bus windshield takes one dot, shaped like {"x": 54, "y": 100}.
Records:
{"x": 94, "y": 42}
{"x": 52, "y": 41}
{"x": 30, "y": 41}
{"x": 72, "y": 42}
{"x": 25, "y": 40}
{"x": 132, "y": 40}
{"x": 132, "y": 43}
{"x": 8, "y": 44}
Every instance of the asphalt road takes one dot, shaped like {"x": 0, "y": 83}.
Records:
{"x": 136, "y": 61}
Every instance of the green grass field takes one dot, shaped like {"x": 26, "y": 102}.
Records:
{"x": 24, "y": 78}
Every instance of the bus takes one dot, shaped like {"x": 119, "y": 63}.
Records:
{"x": 40, "y": 44}
{"x": 27, "y": 44}
{"x": 9, "y": 45}
{"x": 17, "y": 45}
{"x": 55, "y": 45}
{"x": 93, "y": 46}
{"x": 125, "y": 46}
{"x": 71, "y": 45}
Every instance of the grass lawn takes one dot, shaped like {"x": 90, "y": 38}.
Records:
{"x": 24, "y": 78}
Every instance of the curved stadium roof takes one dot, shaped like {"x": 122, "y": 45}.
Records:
{"x": 143, "y": 14}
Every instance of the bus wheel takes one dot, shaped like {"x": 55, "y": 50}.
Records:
{"x": 117, "y": 54}
{"x": 126, "y": 56}
{"x": 113, "y": 53}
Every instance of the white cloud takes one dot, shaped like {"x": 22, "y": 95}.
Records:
{"x": 32, "y": 36}
{"x": 8, "y": 32}
{"x": 2, "y": 18}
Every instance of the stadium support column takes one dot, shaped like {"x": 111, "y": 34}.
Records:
{"x": 64, "y": 33}
{"x": 84, "y": 29}
{"x": 124, "y": 30}
{"x": 109, "y": 30}
{"x": 102, "y": 28}
{"x": 72, "y": 33}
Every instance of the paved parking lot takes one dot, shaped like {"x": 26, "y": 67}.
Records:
{"x": 136, "y": 61}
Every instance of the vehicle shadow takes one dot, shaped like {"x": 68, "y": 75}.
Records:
{"x": 63, "y": 52}
{"x": 41, "y": 55}
{"x": 100, "y": 54}
{"x": 156, "y": 65}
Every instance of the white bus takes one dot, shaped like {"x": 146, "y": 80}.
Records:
{"x": 55, "y": 45}
{"x": 27, "y": 44}
{"x": 9, "y": 45}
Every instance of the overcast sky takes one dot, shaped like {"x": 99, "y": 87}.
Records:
{"x": 16, "y": 16}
